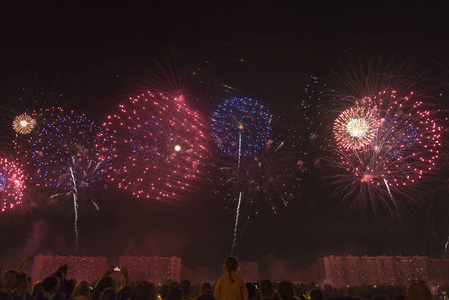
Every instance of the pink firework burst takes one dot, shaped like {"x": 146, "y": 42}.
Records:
{"x": 158, "y": 145}
{"x": 11, "y": 184}
{"x": 401, "y": 155}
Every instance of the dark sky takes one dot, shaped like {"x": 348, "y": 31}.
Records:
{"x": 91, "y": 51}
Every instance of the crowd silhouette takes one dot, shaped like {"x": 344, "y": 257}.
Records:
{"x": 17, "y": 285}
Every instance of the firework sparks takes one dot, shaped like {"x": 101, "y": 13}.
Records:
{"x": 401, "y": 153}
{"x": 159, "y": 146}
{"x": 11, "y": 184}
{"x": 271, "y": 178}
{"x": 240, "y": 127}
{"x": 355, "y": 128}
{"x": 23, "y": 124}
{"x": 69, "y": 155}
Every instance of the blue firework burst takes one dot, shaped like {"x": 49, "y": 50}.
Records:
{"x": 241, "y": 126}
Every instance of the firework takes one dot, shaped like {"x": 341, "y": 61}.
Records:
{"x": 355, "y": 127}
{"x": 11, "y": 184}
{"x": 272, "y": 178}
{"x": 241, "y": 127}
{"x": 69, "y": 155}
{"x": 400, "y": 155}
{"x": 159, "y": 147}
{"x": 32, "y": 123}
{"x": 23, "y": 124}
{"x": 22, "y": 95}
{"x": 63, "y": 141}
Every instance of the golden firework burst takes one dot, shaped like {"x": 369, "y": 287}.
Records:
{"x": 23, "y": 124}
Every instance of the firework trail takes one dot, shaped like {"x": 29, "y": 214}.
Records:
{"x": 68, "y": 155}
{"x": 387, "y": 145}
{"x": 240, "y": 128}
{"x": 159, "y": 147}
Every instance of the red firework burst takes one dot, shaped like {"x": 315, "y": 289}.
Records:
{"x": 399, "y": 157}
{"x": 11, "y": 184}
{"x": 158, "y": 146}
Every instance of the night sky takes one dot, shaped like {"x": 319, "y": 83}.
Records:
{"x": 91, "y": 55}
